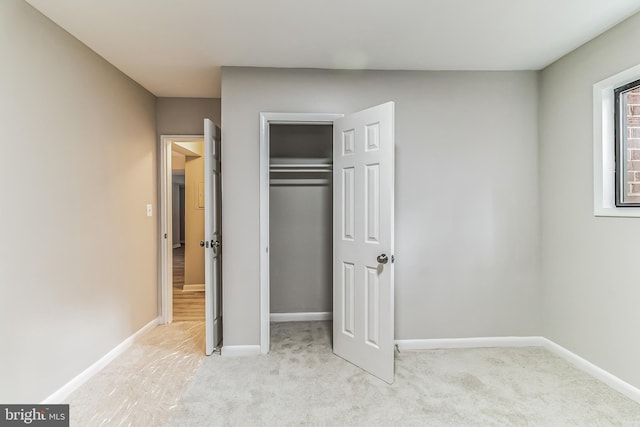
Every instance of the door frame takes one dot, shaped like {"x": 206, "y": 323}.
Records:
{"x": 165, "y": 221}
{"x": 267, "y": 119}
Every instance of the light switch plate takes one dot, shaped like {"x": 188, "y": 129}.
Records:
{"x": 149, "y": 210}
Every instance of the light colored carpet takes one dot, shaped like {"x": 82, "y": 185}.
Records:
{"x": 142, "y": 386}
{"x": 300, "y": 382}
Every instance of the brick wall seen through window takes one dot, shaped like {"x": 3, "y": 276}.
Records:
{"x": 632, "y": 113}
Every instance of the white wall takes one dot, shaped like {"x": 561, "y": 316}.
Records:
{"x": 467, "y": 214}
{"x": 78, "y": 261}
{"x": 590, "y": 265}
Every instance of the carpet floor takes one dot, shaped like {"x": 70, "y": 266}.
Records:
{"x": 301, "y": 382}
{"x": 142, "y": 386}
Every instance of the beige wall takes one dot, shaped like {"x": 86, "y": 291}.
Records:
{"x": 194, "y": 220}
{"x": 185, "y": 116}
{"x": 590, "y": 274}
{"x": 467, "y": 214}
{"x": 78, "y": 263}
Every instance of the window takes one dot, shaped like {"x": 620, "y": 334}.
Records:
{"x": 607, "y": 118}
{"x": 627, "y": 144}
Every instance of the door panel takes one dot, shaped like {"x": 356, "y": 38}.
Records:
{"x": 363, "y": 230}
{"x": 348, "y": 302}
{"x": 213, "y": 238}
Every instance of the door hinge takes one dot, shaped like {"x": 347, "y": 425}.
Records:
{"x": 393, "y": 259}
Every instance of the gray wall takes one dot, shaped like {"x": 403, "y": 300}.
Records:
{"x": 78, "y": 264}
{"x": 184, "y": 116}
{"x": 590, "y": 265}
{"x": 176, "y": 216}
{"x": 301, "y": 249}
{"x": 467, "y": 214}
{"x": 301, "y": 141}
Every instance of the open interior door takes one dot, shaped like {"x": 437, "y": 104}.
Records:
{"x": 363, "y": 204}
{"x": 213, "y": 238}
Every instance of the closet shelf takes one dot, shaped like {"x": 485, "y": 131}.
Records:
{"x": 301, "y": 170}
{"x": 299, "y": 182}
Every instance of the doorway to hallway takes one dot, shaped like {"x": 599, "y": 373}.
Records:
{"x": 197, "y": 158}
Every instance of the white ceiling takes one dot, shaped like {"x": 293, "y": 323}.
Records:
{"x": 176, "y": 48}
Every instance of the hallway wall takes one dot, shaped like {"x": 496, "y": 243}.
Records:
{"x": 184, "y": 116}
{"x": 78, "y": 266}
{"x": 194, "y": 254}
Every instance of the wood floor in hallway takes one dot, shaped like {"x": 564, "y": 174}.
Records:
{"x": 187, "y": 305}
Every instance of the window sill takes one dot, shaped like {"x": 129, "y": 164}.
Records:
{"x": 617, "y": 212}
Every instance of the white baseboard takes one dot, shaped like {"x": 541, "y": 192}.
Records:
{"x": 193, "y": 287}
{"x": 63, "y": 392}
{"x": 301, "y": 317}
{"x": 240, "y": 350}
{"x": 432, "y": 344}
{"x": 608, "y": 378}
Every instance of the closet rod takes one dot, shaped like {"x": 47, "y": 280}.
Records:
{"x": 278, "y": 170}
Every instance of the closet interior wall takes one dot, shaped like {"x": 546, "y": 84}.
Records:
{"x": 301, "y": 218}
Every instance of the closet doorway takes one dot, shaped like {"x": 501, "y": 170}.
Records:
{"x": 301, "y": 222}
{"x": 297, "y": 183}
{"x": 358, "y": 172}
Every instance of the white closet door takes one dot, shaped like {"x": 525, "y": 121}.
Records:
{"x": 363, "y": 288}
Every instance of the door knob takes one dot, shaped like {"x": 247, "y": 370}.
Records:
{"x": 382, "y": 259}
{"x": 202, "y": 243}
